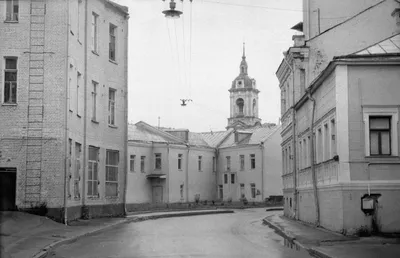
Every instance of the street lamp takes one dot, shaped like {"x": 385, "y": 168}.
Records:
{"x": 172, "y": 13}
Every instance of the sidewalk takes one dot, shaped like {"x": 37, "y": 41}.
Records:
{"x": 24, "y": 235}
{"x": 324, "y": 243}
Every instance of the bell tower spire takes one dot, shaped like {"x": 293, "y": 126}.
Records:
{"x": 243, "y": 64}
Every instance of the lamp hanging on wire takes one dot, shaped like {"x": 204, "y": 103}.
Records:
{"x": 172, "y": 13}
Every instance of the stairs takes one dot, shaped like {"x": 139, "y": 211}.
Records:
{"x": 34, "y": 142}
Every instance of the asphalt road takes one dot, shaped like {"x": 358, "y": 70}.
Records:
{"x": 240, "y": 234}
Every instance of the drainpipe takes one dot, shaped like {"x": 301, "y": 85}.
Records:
{"x": 84, "y": 114}
{"x": 314, "y": 177}
{"x": 187, "y": 173}
{"x": 262, "y": 170}
{"x": 66, "y": 118}
{"x": 167, "y": 174}
{"x": 216, "y": 172}
{"x": 126, "y": 119}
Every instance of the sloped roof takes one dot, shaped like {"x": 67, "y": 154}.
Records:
{"x": 213, "y": 139}
{"x": 122, "y": 8}
{"x": 142, "y": 132}
{"x": 196, "y": 139}
{"x": 388, "y": 46}
{"x": 258, "y": 134}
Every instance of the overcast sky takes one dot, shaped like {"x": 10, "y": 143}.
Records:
{"x": 166, "y": 64}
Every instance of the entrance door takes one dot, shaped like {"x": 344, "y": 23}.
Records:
{"x": 157, "y": 194}
{"x": 8, "y": 178}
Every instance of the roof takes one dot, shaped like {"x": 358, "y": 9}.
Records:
{"x": 257, "y": 135}
{"x": 213, "y": 139}
{"x": 142, "y": 132}
{"x": 388, "y": 46}
{"x": 121, "y": 8}
{"x": 196, "y": 139}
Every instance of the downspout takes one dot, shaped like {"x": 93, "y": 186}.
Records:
{"x": 187, "y": 173}
{"x": 216, "y": 172}
{"x": 168, "y": 178}
{"x": 262, "y": 170}
{"x": 314, "y": 179}
{"x": 66, "y": 118}
{"x": 85, "y": 115}
{"x": 126, "y": 121}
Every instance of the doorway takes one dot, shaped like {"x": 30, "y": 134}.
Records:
{"x": 8, "y": 186}
{"x": 157, "y": 194}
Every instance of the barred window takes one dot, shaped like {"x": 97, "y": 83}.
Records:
{"x": 112, "y": 160}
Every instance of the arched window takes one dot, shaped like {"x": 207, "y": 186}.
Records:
{"x": 254, "y": 107}
{"x": 240, "y": 105}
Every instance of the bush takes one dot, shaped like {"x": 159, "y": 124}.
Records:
{"x": 205, "y": 202}
{"x": 229, "y": 200}
{"x": 197, "y": 198}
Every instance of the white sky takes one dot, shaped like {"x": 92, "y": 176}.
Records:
{"x": 157, "y": 80}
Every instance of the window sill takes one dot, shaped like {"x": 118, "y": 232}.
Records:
{"x": 79, "y": 42}
{"x": 72, "y": 32}
{"x": 113, "y": 61}
{"x": 95, "y": 53}
{"x": 9, "y": 104}
{"x": 113, "y": 126}
{"x": 71, "y": 111}
{"x": 93, "y": 198}
{"x": 78, "y": 116}
{"x": 383, "y": 159}
{"x": 11, "y": 21}
{"x": 94, "y": 121}
{"x": 112, "y": 197}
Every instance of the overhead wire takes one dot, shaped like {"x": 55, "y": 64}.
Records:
{"x": 184, "y": 49}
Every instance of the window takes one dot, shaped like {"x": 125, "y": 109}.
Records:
{"x": 240, "y": 105}
{"x": 309, "y": 151}
{"x": 112, "y": 160}
{"x": 69, "y": 94}
{"x": 10, "y": 80}
{"x": 132, "y": 163}
{"x": 80, "y": 23}
{"x": 93, "y": 164}
{"x": 225, "y": 178}
{"x": 283, "y": 162}
{"x": 180, "y": 161}
{"x": 78, "y": 80}
{"x": 214, "y": 164}
{"x": 94, "y": 32}
{"x": 181, "y": 191}
{"x": 77, "y": 175}
{"x": 12, "y": 8}
{"x": 319, "y": 145}
{"x": 327, "y": 155}
{"x": 252, "y": 161}
{"x": 241, "y": 162}
{"x": 379, "y": 131}
{"x": 302, "y": 81}
{"x": 242, "y": 191}
{"x": 221, "y": 192}
{"x": 253, "y": 190}
{"x": 232, "y": 178}
{"x": 157, "y": 164}
{"x": 300, "y": 155}
{"x": 333, "y": 138}
{"x": 94, "y": 100}
{"x": 305, "y": 153}
{"x": 69, "y": 166}
{"x": 290, "y": 165}
{"x": 111, "y": 107}
{"x": 228, "y": 163}
{"x": 113, "y": 30}
{"x": 199, "y": 162}
{"x": 142, "y": 160}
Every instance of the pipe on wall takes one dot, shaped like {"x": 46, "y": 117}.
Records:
{"x": 314, "y": 177}
{"x": 187, "y": 173}
{"x": 126, "y": 118}
{"x": 262, "y": 170}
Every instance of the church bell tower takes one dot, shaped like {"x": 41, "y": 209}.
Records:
{"x": 243, "y": 99}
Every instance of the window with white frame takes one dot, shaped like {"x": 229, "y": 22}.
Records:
{"x": 94, "y": 32}
{"x": 157, "y": 159}
{"x": 327, "y": 154}
{"x": 112, "y": 160}
{"x": 12, "y": 9}
{"x": 241, "y": 157}
{"x": 180, "y": 156}
{"x": 94, "y": 100}
{"x": 142, "y": 164}
{"x": 111, "y": 106}
{"x": 132, "y": 163}
{"x": 252, "y": 161}
{"x": 112, "y": 43}
{"x": 253, "y": 190}
{"x": 10, "y": 80}
{"x": 78, "y": 168}
{"x": 228, "y": 163}
{"x": 319, "y": 145}
{"x": 199, "y": 163}
{"x": 381, "y": 132}
{"x": 93, "y": 165}
{"x": 333, "y": 138}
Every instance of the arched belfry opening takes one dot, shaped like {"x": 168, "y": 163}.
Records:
{"x": 254, "y": 107}
{"x": 240, "y": 106}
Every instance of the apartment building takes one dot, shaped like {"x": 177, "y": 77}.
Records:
{"x": 64, "y": 106}
{"x": 340, "y": 117}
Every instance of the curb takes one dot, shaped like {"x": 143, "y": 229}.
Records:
{"x": 44, "y": 252}
{"x": 274, "y": 209}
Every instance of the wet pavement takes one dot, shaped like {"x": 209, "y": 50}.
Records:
{"x": 240, "y": 234}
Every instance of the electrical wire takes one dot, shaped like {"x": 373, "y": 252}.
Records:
{"x": 190, "y": 49}
{"x": 184, "y": 50}
{"x": 253, "y": 6}
{"x": 177, "y": 53}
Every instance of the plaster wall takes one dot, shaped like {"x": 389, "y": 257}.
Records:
{"x": 272, "y": 166}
